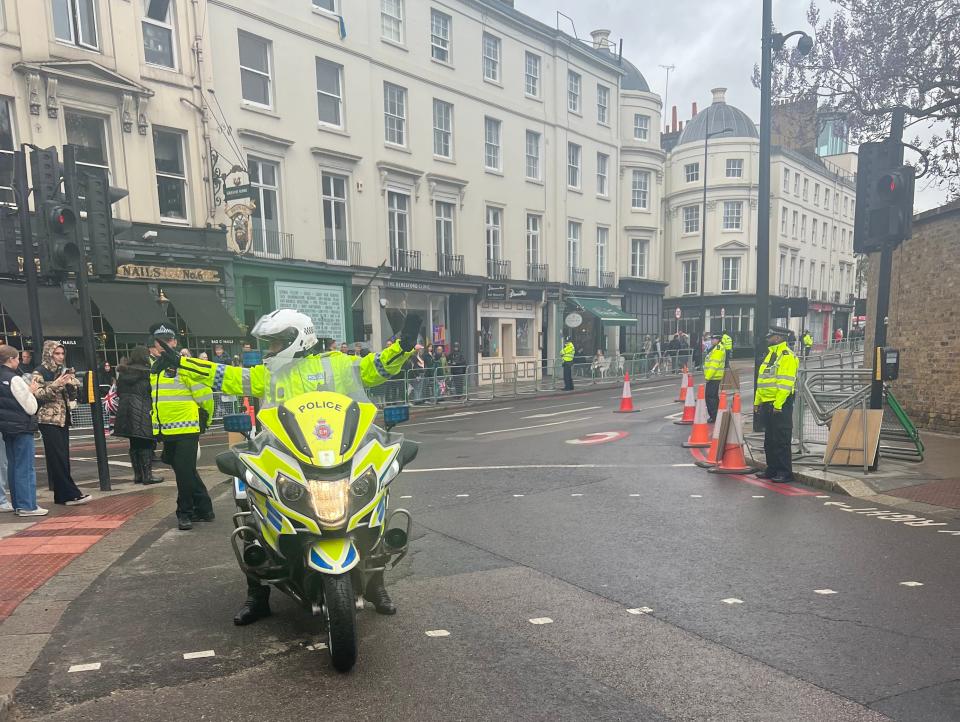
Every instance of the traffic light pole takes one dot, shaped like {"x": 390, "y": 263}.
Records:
{"x": 22, "y": 190}
{"x": 86, "y": 316}
{"x": 886, "y": 270}
{"x": 761, "y": 317}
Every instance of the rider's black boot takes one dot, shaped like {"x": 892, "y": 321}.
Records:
{"x": 376, "y": 594}
{"x": 257, "y": 605}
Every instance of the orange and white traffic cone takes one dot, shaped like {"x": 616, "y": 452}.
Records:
{"x": 713, "y": 453}
{"x": 689, "y": 408}
{"x": 685, "y": 382}
{"x": 249, "y": 411}
{"x": 732, "y": 460}
{"x": 626, "y": 398}
{"x": 700, "y": 431}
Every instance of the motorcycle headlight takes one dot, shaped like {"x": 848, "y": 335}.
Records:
{"x": 361, "y": 487}
{"x": 329, "y": 499}
{"x": 290, "y": 490}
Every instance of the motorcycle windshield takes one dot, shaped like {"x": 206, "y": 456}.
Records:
{"x": 331, "y": 372}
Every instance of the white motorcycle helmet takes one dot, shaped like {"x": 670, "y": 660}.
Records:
{"x": 288, "y": 335}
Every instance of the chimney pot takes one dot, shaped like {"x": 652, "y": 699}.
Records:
{"x": 681, "y": 126}
{"x": 601, "y": 38}
{"x": 719, "y": 95}
{"x": 694, "y": 111}
{"x": 674, "y": 119}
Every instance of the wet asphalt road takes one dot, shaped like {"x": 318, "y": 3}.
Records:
{"x": 671, "y": 594}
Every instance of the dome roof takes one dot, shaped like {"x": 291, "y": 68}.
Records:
{"x": 632, "y": 78}
{"x": 717, "y": 117}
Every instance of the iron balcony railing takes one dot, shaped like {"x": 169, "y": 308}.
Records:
{"x": 449, "y": 264}
{"x": 579, "y": 276}
{"x": 404, "y": 260}
{"x": 538, "y": 272}
{"x": 795, "y": 292}
{"x": 784, "y": 290}
{"x": 607, "y": 279}
{"x": 343, "y": 252}
{"x": 267, "y": 243}
{"x": 498, "y": 269}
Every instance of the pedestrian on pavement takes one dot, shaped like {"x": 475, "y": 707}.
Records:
{"x": 27, "y": 365}
{"x": 807, "y": 340}
{"x": 458, "y": 367}
{"x": 18, "y": 423}
{"x": 358, "y": 350}
{"x": 713, "y": 369}
{"x": 567, "y": 354}
{"x": 180, "y": 411}
{"x": 219, "y": 355}
{"x": 105, "y": 374}
{"x": 344, "y": 348}
{"x": 773, "y": 403}
{"x": 133, "y": 414}
{"x": 185, "y": 353}
{"x": 56, "y": 393}
{"x": 204, "y": 356}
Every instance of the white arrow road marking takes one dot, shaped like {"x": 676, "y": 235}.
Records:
{"x": 824, "y": 591}
{"x": 199, "y": 655}
{"x": 640, "y": 610}
{"x": 911, "y": 584}
{"x": 437, "y": 633}
{"x": 559, "y": 413}
{"x": 541, "y": 620}
{"x": 732, "y": 600}
{"x": 535, "y": 426}
{"x": 91, "y": 667}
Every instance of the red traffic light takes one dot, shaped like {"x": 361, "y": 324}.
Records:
{"x": 890, "y": 184}
{"x": 61, "y": 219}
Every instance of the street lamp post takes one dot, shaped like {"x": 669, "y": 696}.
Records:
{"x": 703, "y": 235}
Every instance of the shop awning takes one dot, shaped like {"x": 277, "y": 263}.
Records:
{"x": 60, "y": 319}
{"x": 129, "y": 308}
{"x": 607, "y": 313}
{"x": 203, "y": 311}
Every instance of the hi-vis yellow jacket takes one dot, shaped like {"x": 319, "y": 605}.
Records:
{"x": 726, "y": 342}
{"x": 311, "y": 373}
{"x": 176, "y": 403}
{"x": 777, "y": 377}
{"x": 714, "y": 363}
{"x": 568, "y": 352}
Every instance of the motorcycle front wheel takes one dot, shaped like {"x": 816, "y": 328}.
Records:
{"x": 341, "y": 616}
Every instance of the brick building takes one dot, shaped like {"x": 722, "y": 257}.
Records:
{"x": 924, "y": 296}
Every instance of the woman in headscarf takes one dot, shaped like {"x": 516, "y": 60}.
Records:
{"x": 133, "y": 414}
{"x": 56, "y": 392}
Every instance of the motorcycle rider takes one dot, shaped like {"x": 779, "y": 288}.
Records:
{"x": 296, "y": 362}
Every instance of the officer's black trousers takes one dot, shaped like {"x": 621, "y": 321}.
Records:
{"x": 181, "y": 453}
{"x": 568, "y": 375}
{"x": 777, "y": 436}
{"x": 712, "y": 397}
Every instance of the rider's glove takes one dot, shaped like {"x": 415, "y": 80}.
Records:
{"x": 410, "y": 332}
{"x": 168, "y": 359}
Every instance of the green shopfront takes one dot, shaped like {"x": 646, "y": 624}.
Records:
{"x": 263, "y": 285}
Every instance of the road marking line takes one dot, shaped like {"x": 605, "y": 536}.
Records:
{"x": 640, "y": 610}
{"x": 461, "y": 496}
{"x": 696, "y": 496}
{"x": 576, "y": 495}
{"x": 911, "y": 584}
{"x": 759, "y": 496}
{"x": 634, "y": 495}
{"x": 458, "y": 415}
{"x": 506, "y": 467}
{"x": 535, "y": 426}
{"x": 199, "y": 655}
{"x": 824, "y": 591}
{"x": 317, "y": 647}
{"x": 553, "y": 406}
{"x": 126, "y": 464}
{"x": 91, "y": 667}
{"x": 679, "y": 465}
{"x": 541, "y": 620}
{"x": 437, "y": 633}
{"x": 822, "y": 496}
{"x": 406, "y": 496}
{"x": 517, "y": 496}
{"x": 732, "y": 600}
{"x": 558, "y": 413}
{"x": 673, "y": 417}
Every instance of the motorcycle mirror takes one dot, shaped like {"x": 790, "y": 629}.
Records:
{"x": 408, "y": 452}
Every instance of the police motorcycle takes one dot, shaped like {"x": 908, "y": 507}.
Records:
{"x": 312, "y": 492}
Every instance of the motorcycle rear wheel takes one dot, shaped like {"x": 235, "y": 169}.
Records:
{"x": 341, "y": 616}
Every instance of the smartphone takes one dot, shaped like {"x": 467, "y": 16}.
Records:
{"x": 70, "y": 370}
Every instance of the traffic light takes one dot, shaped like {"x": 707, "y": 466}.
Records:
{"x": 884, "y": 215}
{"x": 46, "y": 175}
{"x": 59, "y": 241}
{"x": 10, "y": 253}
{"x": 102, "y": 227}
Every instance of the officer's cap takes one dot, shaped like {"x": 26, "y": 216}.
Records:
{"x": 778, "y": 331}
{"x": 716, "y": 335}
{"x": 163, "y": 330}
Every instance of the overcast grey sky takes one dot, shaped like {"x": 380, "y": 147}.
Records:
{"x": 711, "y": 44}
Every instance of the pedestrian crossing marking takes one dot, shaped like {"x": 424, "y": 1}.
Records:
{"x": 199, "y": 655}
{"x": 824, "y": 591}
{"x": 911, "y": 584}
{"x": 437, "y": 633}
{"x": 91, "y": 667}
{"x": 640, "y": 610}
{"x": 732, "y": 600}
{"x": 541, "y": 620}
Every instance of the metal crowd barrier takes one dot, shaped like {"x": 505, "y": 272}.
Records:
{"x": 81, "y": 417}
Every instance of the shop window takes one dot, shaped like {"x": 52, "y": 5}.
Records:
{"x": 489, "y": 337}
{"x": 526, "y": 332}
